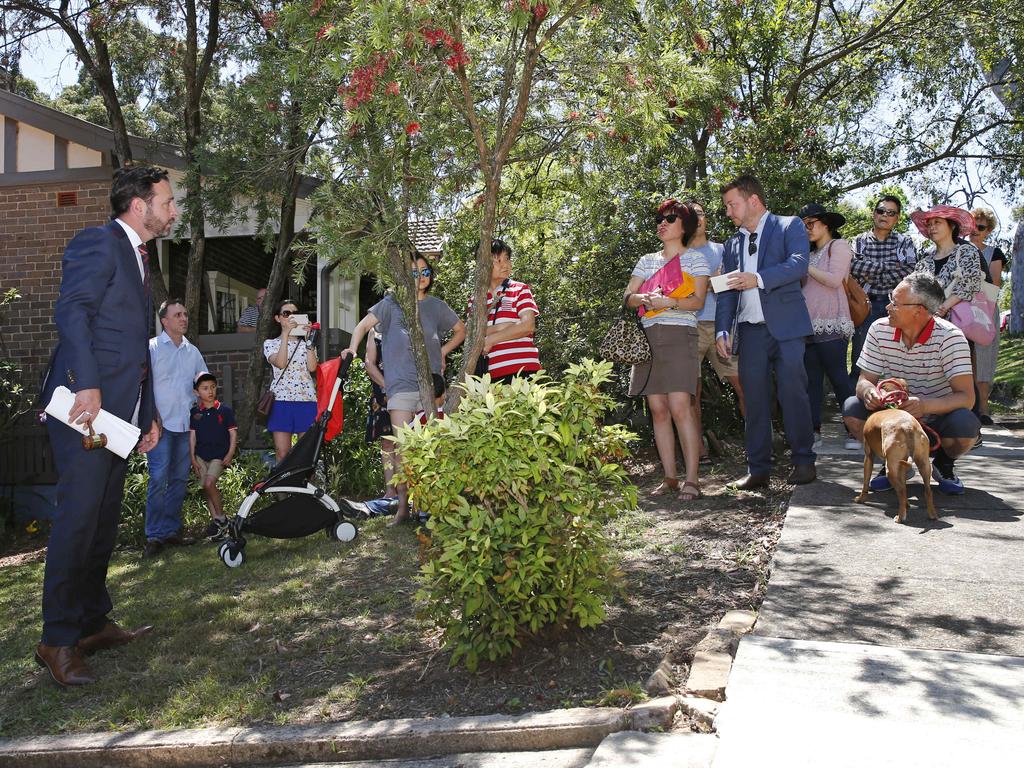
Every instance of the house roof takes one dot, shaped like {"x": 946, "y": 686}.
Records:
{"x": 101, "y": 139}
{"x": 424, "y": 235}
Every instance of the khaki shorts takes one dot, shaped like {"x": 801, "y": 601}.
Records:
{"x": 210, "y": 469}
{"x": 706, "y": 348}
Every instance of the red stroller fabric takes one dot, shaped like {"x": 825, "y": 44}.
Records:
{"x": 326, "y": 375}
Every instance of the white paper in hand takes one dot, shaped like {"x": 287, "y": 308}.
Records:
{"x": 718, "y": 282}
{"x": 122, "y": 437}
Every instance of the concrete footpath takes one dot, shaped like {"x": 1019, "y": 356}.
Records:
{"x": 888, "y": 645}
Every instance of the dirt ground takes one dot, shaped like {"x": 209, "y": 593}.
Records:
{"x": 685, "y": 564}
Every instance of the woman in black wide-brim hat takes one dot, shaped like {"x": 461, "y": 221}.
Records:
{"x": 829, "y": 266}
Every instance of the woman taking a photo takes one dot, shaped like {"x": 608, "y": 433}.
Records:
{"x": 401, "y": 383}
{"x": 825, "y": 353}
{"x": 669, "y": 378}
{"x": 292, "y": 364}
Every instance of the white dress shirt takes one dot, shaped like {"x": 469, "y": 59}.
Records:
{"x": 750, "y": 310}
{"x": 136, "y": 241}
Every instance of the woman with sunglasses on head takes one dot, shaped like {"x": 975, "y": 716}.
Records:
{"x": 292, "y": 364}
{"x": 401, "y": 383}
{"x": 987, "y": 355}
{"x": 825, "y": 353}
{"x": 669, "y": 378}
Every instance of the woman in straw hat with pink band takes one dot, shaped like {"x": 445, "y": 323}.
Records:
{"x": 956, "y": 263}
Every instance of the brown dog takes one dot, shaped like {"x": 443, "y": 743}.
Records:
{"x": 897, "y": 438}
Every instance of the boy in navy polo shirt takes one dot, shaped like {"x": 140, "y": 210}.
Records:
{"x": 213, "y": 436}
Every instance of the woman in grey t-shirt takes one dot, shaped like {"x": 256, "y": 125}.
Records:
{"x": 401, "y": 384}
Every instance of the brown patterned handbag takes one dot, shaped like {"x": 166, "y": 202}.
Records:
{"x": 626, "y": 342}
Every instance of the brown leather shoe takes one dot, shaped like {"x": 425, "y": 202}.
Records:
{"x": 65, "y": 664}
{"x": 752, "y": 482}
{"x": 111, "y": 636}
{"x": 803, "y": 474}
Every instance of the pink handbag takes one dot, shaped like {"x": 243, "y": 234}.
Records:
{"x": 974, "y": 318}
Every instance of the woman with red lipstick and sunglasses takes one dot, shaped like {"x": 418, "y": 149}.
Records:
{"x": 669, "y": 378}
{"x": 292, "y": 364}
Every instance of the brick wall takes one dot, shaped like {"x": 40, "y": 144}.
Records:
{"x": 33, "y": 233}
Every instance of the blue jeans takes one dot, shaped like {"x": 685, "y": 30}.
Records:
{"x": 877, "y": 311}
{"x": 827, "y": 358}
{"x": 169, "y": 464}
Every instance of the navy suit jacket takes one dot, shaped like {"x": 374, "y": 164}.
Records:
{"x": 103, "y": 316}
{"x": 782, "y": 256}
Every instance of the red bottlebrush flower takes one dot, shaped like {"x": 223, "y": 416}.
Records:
{"x": 700, "y": 42}
{"x": 540, "y": 11}
{"x": 524, "y": 5}
{"x": 324, "y": 31}
{"x": 630, "y": 78}
{"x": 351, "y": 102}
{"x": 672, "y": 103}
{"x": 412, "y": 129}
{"x": 810, "y": 133}
{"x": 601, "y": 116}
{"x": 393, "y": 88}
{"x": 314, "y": 9}
{"x": 353, "y": 130}
{"x": 574, "y": 115}
{"x": 268, "y": 20}
{"x": 272, "y": 106}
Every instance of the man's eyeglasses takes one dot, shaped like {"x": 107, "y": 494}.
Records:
{"x": 670, "y": 219}
{"x": 425, "y": 272}
{"x": 898, "y": 305}
{"x": 289, "y": 312}
{"x": 886, "y": 211}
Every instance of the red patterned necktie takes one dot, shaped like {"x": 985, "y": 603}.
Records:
{"x": 145, "y": 268}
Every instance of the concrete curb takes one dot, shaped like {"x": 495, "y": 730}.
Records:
{"x": 334, "y": 742}
{"x": 712, "y": 663}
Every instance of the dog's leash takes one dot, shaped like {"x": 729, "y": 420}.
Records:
{"x": 897, "y": 397}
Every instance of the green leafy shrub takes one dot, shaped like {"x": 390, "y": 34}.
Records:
{"x": 235, "y": 484}
{"x": 519, "y": 484}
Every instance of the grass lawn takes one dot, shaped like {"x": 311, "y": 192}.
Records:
{"x": 312, "y": 630}
{"x": 1010, "y": 366}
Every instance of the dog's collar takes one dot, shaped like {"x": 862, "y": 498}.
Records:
{"x": 922, "y": 337}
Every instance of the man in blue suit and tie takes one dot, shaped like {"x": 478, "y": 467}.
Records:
{"x": 765, "y": 309}
{"x": 103, "y": 314}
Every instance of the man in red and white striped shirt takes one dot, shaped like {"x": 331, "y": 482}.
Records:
{"x": 511, "y": 319}
{"x": 934, "y": 358}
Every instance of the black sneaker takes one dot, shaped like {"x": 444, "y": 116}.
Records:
{"x": 217, "y": 530}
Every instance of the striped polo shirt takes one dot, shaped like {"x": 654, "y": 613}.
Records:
{"x": 939, "y": 354}
{"x": 514, "y": 355}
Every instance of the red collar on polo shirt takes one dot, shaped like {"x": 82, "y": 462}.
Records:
{"x": 922, "y": 337}
{"x": 215, "y": 406}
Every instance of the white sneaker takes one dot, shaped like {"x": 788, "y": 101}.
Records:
{"x": 816, "y": 445}
{"x": 852, "y": 443}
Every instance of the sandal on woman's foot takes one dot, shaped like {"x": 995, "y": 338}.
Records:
{"x": 669, "y": 484}
{"x": 689, "y": 495}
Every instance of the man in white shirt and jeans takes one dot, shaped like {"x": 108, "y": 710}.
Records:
{"x": 176, "y": 362}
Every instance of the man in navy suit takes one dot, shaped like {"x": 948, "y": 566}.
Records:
{"x": 103, "y": 316}
{"x": 765, "y": 309}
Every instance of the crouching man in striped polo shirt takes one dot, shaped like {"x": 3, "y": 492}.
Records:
{"x": 933, "y": 356}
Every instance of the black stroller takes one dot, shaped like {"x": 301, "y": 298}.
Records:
{"x": 303, "y": 508}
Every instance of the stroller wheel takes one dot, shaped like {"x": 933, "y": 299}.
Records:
{"x": 221, "y": 550}
{"x": 232, "y": 554}
{"x": 343, "y": 531}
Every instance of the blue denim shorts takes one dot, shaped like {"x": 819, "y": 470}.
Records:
{"x": 292, "y": 417}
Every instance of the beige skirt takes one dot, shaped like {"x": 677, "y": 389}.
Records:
{"x": 673, "y": 366}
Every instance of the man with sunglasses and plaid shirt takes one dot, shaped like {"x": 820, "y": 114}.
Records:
{"x": 881, "y": 259}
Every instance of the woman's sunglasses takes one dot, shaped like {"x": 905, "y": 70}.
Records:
{"x": 289, "y": 312}
{"x": 425, "y": 272}
{"x": 670, "y": 219}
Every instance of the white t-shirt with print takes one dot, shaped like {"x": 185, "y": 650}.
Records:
{"x": 295, "y": 384}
